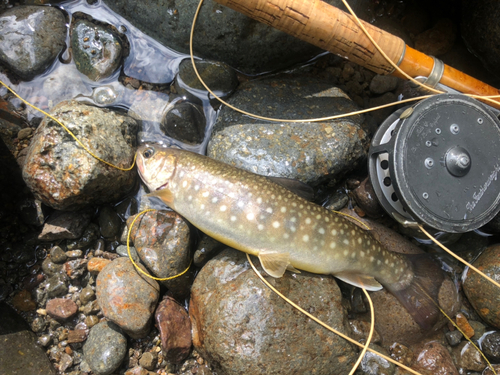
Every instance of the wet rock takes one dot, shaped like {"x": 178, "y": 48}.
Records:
{"x": 126, "y": 297}
{"x": 97, "y": 264}
{"x": 91, "y": 307}
{"x": 109, "y": 222}
{"x": 50, "y": 268}
{"x": 74, "y": 254}
{"x": 56, "y": 286}
{"x": 373, "y": 364}
{"x": 22, "y": 301}
{"x": 454, "y": 337}
{"x": 18, "y": 348}
{"x": 91, "y": 320}
{"x": 65, "y": 362}
{"x": 361, "y": 329}
{"x": 75, "y": 268}
{"x": 86, "y": 295}
{"x": 219, "y": 77}
{"x": 123, "y": 252}
{"x": 148, "y": 360}
{"x": 162, "y": 240}
{"x": 57, "y": 255}
{"x": 175, "y": 329}
{"x": 308, "y": 152}
{"x": 336, "y": 200}
{"x": 466, "y": 357}
{"x": 185, "y": 122}
{"x": 479, "y": 31}
{"x": 482, "y": 294}
{"x": 437, "y": 40}
{"x": 381, "y": 84}
{"x": 61, "y": 308}
{"x": 491, "y": 346}
{"x": 221, "y": 34}
{"x": 63, "y": 175}
{"x": 464, "y": 325}
{"x": 65, "y": 225}
{"x": 105, "y": 348}
{"x": 241, "y": 327}
{"x": 77, "y": 335}
{"x": 434, "y": 359}
{"x": 38, "y": 324}
{"x": 88, "y": 238}
{"x": 206, "y": 248}
{"x": 31, "y": 39}
{"x": 45, "y": 340}
{"x": 367, "y": 200}
{"x": 97, "y": 51}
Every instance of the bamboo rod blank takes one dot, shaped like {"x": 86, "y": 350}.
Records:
{"x": 325, "y": 26}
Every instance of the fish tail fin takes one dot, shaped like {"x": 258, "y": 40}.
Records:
{"x": 420, "y": 297}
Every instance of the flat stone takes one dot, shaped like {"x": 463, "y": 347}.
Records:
{"x": 31, "y": 38}
{"x": 433, "y": 358}
{"x": 127, "y": 297}
{"x": 174, "y": 324}
{"x": 61, "y": 308}
{"x": 65, "y": 225}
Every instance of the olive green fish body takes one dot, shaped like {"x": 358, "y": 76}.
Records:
{"x": 255, "y": 215}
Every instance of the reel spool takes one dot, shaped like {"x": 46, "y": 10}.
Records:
{"x": 437, "y": 163}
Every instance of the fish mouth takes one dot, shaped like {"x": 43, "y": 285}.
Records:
{"x": 162, "y": 186}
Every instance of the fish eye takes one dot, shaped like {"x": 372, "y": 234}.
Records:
{"x": 147, "y": 153}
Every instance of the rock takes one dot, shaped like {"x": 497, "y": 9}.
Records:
{"x": 109, "y": 222}
{"x": 97, "y": 50}
{"x": 437, "y": 40}
{"x": 77, "y": 335}
{"x": 464, "y": 325}
{"x": 206, "y": 248}
{"x": 65, "y": 225}
{"x": 39, "y": 324}
{"x": 361, "y": 329}
{"x": 61, "y": 308}
{"x": 126, "y": 297}
{"x": 308, "y": 152}
{"x": 433, "y": 358}
{"x": 65, "y": 362}
{"x": 221, "y": 33}
{"x": 97, "y": 264}
{"x": 75, "y": 268}
{"x": 174, "y": 325}
{"x": 88, "y": 238}
{"x": 56, "y": 286}
{"x": 376, "y": 365}
{"x": 57, "y": 255}
{"x": 23, "y": 301}
{"x": 480, "y": 31}
{"x": 240, "y": 326}
{"x": 381, "y": 84}
{"x": 105, "y": 348}
{"x": 219, "y": 77}
{"x": 63, "y": 175}
{"x": 123, "y": 252}
{"x": 32, "y": 37}
{"x": 454, "y": 337}
{"x": 86, "y": 295}
{"x": 367, "y": 199}
{"x": 148, "y": 360}
{"x": 491, "y": 346}
{"x": 19, "y": 352}
{"x": 185, "y": 122}
{"x": 467, "y": 358}
{"x": 74, "y": 254}
{"x": 482, "y": 294}
{"x": 162, "y": 240}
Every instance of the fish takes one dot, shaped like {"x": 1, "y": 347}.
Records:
{"x": 253, "y": 214}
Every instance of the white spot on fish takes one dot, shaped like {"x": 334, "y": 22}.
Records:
{"x": 269, "y": 209}
{"x": 346, "y": 253}
{"x": 334, "y": 232}
{"x": 372, "y": 259}
{"x": 181, "y": 174}
{"x": 190, "y": 198}
{"x": 293, "y": 229}
{"x": 260, "y": 227}
{"x": 332, "y": 245}
{"x": 233, "y": 218}
{"x": 305, "y": 238}
{"x": 250, "y": 216}
{"x": 341, "y": 231}
{"x": 318, "y": 217}
{"x": 360, "y": 241}
{"x": 240, "y": 204}
{"x": 362, "y": 253}
{"x": 346, "y": 241}
{"x": 259, "y": 200}
{"x": 205, "y": 194}
{"x": 276, "y": 224}
{"x": 283, "y": 209}
{"x": 293, "y": 219}
{"x": 321, "y": 231}
{"x": 353, "y": 255}
{"x": 308, "y": 221}
{"x": 202, "y": 206}
{"x": 285, "y": 236}
{"x": 184, "y": 183}
{"x": 214, "y": 200}
{"x": 196, "y": 187}
{"x": 223, "y": 208}
{"x": 327, "y": 219}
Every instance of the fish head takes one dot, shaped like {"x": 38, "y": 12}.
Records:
{"x": 156, "y": 166}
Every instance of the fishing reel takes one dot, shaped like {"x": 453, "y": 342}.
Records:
{"x": 437, "y": 163}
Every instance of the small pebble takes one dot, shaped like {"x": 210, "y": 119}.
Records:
{"x": 91, "y": 320}
{"x": 61, "y": 308}
{"x": 464, "y": 325}
{"x": 74, "y": 254}
{"x": 97, "y": 264}
{"x": 148, "y": 361}
{"x": 86, "y": 295}
{"x": 57, "y": 255}
{"x": 45, "y": 340}
{"x": 454, "y": 337}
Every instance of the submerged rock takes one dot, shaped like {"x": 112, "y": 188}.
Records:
{"x": 65, "y": 225}
{"x": 31, "y": 39}
{"x": 308, "y": 152}
{"x": 97, "y": 50}
{"x": 126, "y": 297}
{"x": 185, "y": 122}
{"x": 66, "y": 177}
{"x": 241, "y": 327}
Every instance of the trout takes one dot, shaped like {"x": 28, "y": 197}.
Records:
{"x": 251, "y": 213}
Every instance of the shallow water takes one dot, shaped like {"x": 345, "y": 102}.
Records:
{"x": 148, "y": 61}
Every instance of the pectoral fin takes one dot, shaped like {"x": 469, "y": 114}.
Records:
{"x": 359, "y": 280}
{"x": 275, "y": 264}
{"x": 165, "y": 195}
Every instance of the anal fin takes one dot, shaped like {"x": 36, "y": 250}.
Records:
{"x": 275, "y": 264}
{"x": 361, "y": 281}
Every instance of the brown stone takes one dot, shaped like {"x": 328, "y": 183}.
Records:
{"x": 22, "y": 301}
{"x": 175, "y": 329}
{"x": 432, "y": 358}
{"x": 61, "y": 308}
{"x": 77, "y": 335}
{"x": 97, "y": 264}
{"x": 464, "y": 325}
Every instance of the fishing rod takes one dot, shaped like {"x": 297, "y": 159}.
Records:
{"x": 336, "y": 31}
